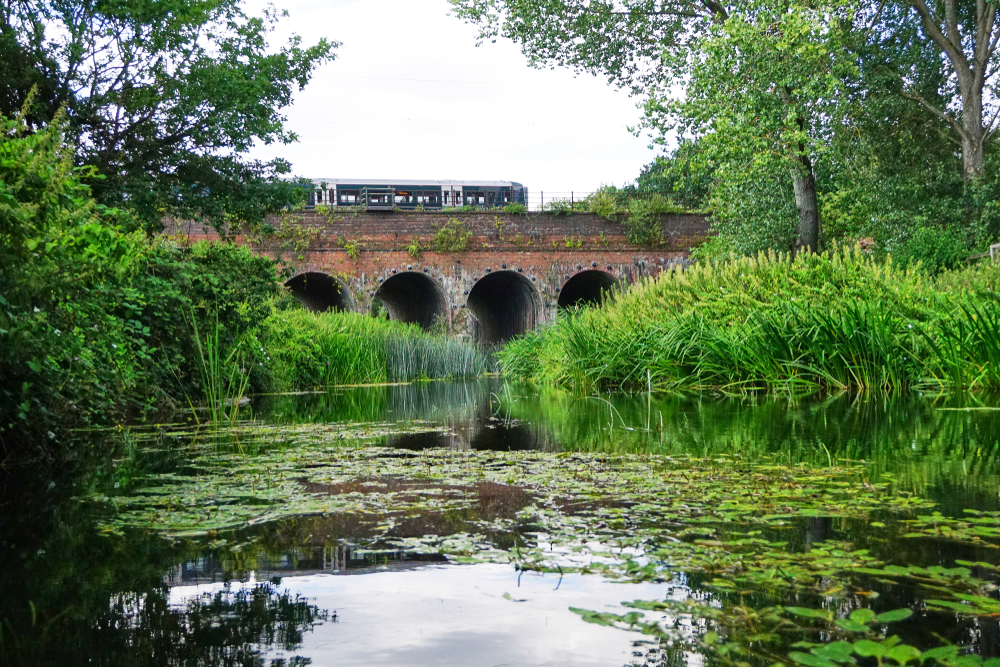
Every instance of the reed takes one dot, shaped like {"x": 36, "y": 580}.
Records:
{"x": 298, "y": 349}
{"x": 223, "y": 382}
{"x": 837, "y": 320}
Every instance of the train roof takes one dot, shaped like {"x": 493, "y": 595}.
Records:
{"x": 403, "y": 181}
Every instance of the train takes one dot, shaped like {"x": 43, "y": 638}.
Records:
{"x": 375, "y": 195}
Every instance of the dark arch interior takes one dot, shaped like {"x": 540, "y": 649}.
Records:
{"x": 586, "y": 288}
{"x": 505, "y": 304}
{"x": 413, "y": 297}
{"x": 318, "y": 291}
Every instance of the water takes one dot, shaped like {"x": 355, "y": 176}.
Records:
{"x": 474, "y": 517}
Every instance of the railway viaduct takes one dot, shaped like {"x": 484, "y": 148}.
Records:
{"x": 516, "y": 271}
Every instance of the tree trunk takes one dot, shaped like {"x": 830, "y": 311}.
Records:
{"x": 973, "y": 135}
{"x": 804, "y": 185}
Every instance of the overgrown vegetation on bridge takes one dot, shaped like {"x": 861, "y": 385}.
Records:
{"x": 837, "y": 320}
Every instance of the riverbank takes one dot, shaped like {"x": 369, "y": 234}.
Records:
{"x": 840, "y": 320}
{"x": 103, "y": 323}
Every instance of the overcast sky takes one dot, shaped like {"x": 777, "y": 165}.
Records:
{"x": 410, "y": 96}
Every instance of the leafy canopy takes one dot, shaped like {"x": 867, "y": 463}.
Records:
{"x": 162, "y": 98}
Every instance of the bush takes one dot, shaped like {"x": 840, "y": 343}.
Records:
{"x": 515, "y": 208}
{"x": 414, "y": 248}
{"x": 936, "y": 248}
{"x": 96, "y": 322}
{"x": 604, "y": 203}
{"x": 452, "y": 236}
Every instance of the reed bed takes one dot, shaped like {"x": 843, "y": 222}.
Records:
{"x": 837, "y": 320}
{"x": 298, "y": 349}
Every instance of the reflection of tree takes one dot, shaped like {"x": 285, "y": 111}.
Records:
{"x": 70, "y": 595}
{"x": 949, "y": 453}
{"x": 228, "y": 627}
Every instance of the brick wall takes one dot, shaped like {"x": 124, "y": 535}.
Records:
{"x": 547, "y": 250}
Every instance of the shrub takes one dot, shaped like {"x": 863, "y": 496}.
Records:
{"x": 642, "y": 223}
{"x": 936, "y": 248}
{"x": 452, "y": 236}
{"x": 96, "y": 322}
{"x": 604, "y": 203}
{"x": 515, "y": 208}
{"x": 414, "y": 249}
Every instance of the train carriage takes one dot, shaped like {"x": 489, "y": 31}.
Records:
{"x": 376, "y": 195}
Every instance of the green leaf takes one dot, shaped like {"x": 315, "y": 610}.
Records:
{"x": 866, "y": 648}
{"x": 851, "y": 626}
{"x": 809, "y": 613}
{"x": 810, "y": 660}
{"x": 903, "y": 653}
{"x": 710, "y": 638}
{"x": 862, "y": 615}
{"x": 836, "y": 651}
{"x": 941, "y": 653}
{"x": 894, "y": 615}
{"x": 35, "y": 365}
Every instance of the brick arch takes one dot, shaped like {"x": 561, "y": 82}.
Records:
{"x": 586, "y": 288}
{"x": 503, "y": 304}
{"x": 413, "y": 297}
{"x": 320, "y": 292}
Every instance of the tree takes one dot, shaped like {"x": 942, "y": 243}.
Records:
{"x": 750, "y": 72}
{"x": 965, "y": 34}
{"x": 162, "y": 98}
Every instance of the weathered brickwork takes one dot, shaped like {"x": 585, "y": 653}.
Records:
{"x": 539, "y": 256}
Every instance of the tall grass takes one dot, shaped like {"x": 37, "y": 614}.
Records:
{"x": 223, "y": 382}
{"x": 839, "y": 320}
{"x": 298, "y": 349}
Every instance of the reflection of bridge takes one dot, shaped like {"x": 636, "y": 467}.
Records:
{"x": 515, "y": 273}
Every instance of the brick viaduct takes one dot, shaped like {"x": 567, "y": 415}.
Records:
{"x": 516, "y": 272}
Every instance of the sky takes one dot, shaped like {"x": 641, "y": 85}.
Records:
{"x": 410, "y": 96}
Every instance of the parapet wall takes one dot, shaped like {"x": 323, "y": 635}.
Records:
{"x": 490, "y": 230}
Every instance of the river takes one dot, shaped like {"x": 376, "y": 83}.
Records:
{"x": 482, "y": 523}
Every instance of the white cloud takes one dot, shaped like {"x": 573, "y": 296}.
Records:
{"x": 410, "y": 96}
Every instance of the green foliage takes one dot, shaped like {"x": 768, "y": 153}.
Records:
{"x": 224, "y": 381}
{"x": 297, "y": 349}
{"x": 452, "y": 236}
{"x": 603, "y": 203}
{"x": 515, "y": 208}
{"x": 162, "y": 99}
{"x": 414, "y": 248}
{"x": 564, "y": 207}
{"x": 643, "y": 224}
{"x": 353, "y": 248}
{"x": 94, "y": 320}
{"x": 837, "y": 320}
{"x": 638, "y": 211}
{"x": 936, "y": 248}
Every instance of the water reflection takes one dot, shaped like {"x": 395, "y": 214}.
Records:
{"x": 950, "y": 445}
{"x": 72, "y": 594}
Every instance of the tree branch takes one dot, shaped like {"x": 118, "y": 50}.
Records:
{"x": 943, "y": 115}
{"x": 954, "y": 52}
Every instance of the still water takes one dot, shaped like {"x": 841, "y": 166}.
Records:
{"x": 479, "y": 523}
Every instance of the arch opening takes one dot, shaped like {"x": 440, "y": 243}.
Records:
{"x": 320, "y": 292}
{"x": 503, "y": 304}
{"x": 586, "y": 288}
{"x": 413, "y": 297}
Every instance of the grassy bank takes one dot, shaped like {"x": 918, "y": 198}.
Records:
{"x": 840, "y": 320}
